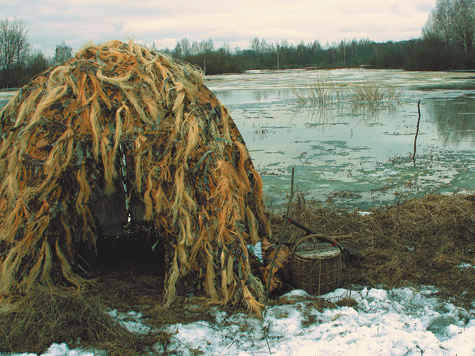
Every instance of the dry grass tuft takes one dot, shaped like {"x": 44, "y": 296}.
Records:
{"x": 324, "y": 90}
{"x": 321, "y": 90}
{"x": 371, "y": 93}
{"x": 45, "y": 316}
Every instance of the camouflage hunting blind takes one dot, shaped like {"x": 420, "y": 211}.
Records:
{"x": 123, "y": 133}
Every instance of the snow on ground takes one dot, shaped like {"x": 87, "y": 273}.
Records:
{"x": 131, "y": 321}
{"x": 402, "y": 321}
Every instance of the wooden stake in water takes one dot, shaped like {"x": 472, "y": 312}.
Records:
{"x": 417, "y": 132}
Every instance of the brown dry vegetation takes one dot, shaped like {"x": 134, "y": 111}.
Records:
{"x": 46, "y": 316}
{"x": 420, "y": 241}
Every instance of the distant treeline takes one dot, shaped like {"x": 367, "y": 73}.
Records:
{"x": 416, "y": 54}
{"x": 447, "y": 43}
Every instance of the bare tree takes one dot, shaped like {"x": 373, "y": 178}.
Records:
{"x": 62, "y": 53}
{"x": 185, "y": 47}
{"x": 206, "y": 46}
{"x": 464, "y": 24}
{"x": 14, "y": 46}
{"x": 439, "y": 24}
{"x": 453, "y": 23}
{"x": 178, "y": 52}
{"x": 195, "y": 48}
{"x": 256, "y": 48}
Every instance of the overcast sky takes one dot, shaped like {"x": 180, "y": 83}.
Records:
{"x": 77, "y": 22}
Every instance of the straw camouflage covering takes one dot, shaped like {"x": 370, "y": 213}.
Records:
{"x": 123, "y": 126}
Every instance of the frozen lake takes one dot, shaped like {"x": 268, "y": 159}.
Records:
{"x": 356, "y": 155}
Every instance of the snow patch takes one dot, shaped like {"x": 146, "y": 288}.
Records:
{"x": 131, "y": 321}
{"x": 401, "y": 321}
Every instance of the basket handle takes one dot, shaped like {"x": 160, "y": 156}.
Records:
{"x": 305, "y": 238}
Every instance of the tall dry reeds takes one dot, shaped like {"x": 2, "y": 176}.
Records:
{"x": 371, "y": 93}
{"x": 324, "y": 90}
{"x": 321, "y": 90}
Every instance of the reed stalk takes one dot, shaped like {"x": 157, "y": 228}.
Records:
{"x": 324, "y": 90}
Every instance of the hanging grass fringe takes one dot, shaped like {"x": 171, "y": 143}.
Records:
{"x": 119, "y": 115}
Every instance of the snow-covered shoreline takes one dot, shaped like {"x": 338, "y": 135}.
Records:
{"x": 401, "y": 321}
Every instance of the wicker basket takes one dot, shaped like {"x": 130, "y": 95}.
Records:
{"x": 315, "y": 267}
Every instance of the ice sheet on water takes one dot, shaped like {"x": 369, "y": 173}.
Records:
{"x": 349, "y": 140}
